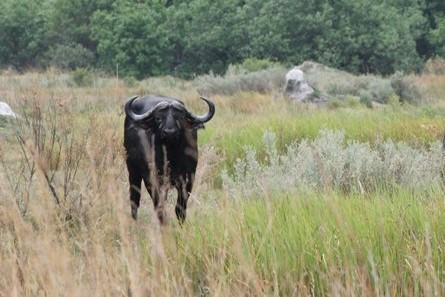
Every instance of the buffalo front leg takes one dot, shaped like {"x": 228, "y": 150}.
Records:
{"x": 135, "y": 192}
{"x": 157, "y": 196}
{"x": 184, "y": 190}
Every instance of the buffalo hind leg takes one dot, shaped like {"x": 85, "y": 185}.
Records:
{"x": 135, "y": 192}
{"x": 184, "y": 190}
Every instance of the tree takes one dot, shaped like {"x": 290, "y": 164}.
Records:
{"x": 370, "y": 36}
{"x": 131, "y": 35}
{"x": 206, "y": 34}
{"x": 22, "y": 33}
{"x": 285, "y": 30}
{"x": 188, "y": 37}
{"x": 435, "y": 11}
{"x": 358, "y": 36}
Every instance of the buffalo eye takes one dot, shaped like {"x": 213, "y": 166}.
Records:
{"x": 179, "y": 115}
{"x": 158, "y": 120}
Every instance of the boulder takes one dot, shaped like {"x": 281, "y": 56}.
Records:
{"x": 6, "y": 111}
{"x": 296, "y": 87}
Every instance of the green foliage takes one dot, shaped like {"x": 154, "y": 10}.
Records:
{"x": 189, "y": 38}
{"x": 369, "y": 36}
{"x": 130, "y": 37}
{"x": 82, "y": 77}
{"x": 130, "y": 81}
{"x": 435, "y": 65}
{"x": 405, "y": 88}
{"x": 206, "y": 35}
{"x": 394, "y": 102}
{"x": 380, "y": 90}
{"x": 351, "y": 166}
{"x": 438, "y": 37}
{"x": 435, "y": 11}
{"x": 69, "y": 57}
{"x": 251, "y": 65}
{"x": 22, "y": 33}
{"x": 70, "y": 22}
{"x": 3, "y": 122}
{"x": 233, "y": 82}
{"x": 324, "y": 240}
{"x": 348, "y": 101}
{"x": 366, "y": 98}
{"x": 359, "y": 36}
{"x": 333, "y": 83}
{"x": 353, "y": 213}
{"x": 292, "y": 123}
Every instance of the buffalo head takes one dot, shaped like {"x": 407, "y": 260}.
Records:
{"x": 169, "y": 118}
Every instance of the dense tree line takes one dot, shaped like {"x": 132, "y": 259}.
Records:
{"x": 187, "y": 37}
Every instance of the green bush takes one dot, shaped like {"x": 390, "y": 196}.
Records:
{"x": 69, "y": 57}
{"x": 251, "y": 65}
{"x": 130, "y": 81}
{"x": 330, "y": 161}
{"x": 348, "y": 101}
{"x": 380, "y": 89}
{"x": 435, "y": 65}
{"x": 3, "y": 122}
{"x": 405, "y": 88}
{"x": 394, "y": 102}
{"x": 262, "y": 81}
{"x": 366, "y": 98}
{"x": 335, "y": 83}
{"x": 82, "y": 77}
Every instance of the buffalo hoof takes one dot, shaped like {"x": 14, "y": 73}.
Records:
{"x": 134, "y": 212}
{"x": 180, "y": 214}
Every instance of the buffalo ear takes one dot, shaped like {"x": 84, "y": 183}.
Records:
{"x": 194, "y": 125}
{"x": 199, "y": 126}
{"x": 145, "y": 124}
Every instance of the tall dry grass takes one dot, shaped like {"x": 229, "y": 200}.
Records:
{"x": 66, "y": 229}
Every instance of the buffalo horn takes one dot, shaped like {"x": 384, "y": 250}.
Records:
{"x": 139, "y": 117}
{"x": 206, "y": 117}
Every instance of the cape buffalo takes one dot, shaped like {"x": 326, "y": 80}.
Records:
{"x": 160, "y": 138}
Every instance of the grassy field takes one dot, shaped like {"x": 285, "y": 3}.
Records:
{"x": 290, "y": 200}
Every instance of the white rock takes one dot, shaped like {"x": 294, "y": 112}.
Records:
{"x": 5, "y": 110}
{"x": 297, "y": 88}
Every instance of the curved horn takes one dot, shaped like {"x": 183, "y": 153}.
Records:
{"x": 206, "y": 117}
{"x": 139, "y": 117}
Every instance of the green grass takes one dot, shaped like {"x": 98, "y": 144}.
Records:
{"x": 316, "y": 240}
{"x": 327, "y": 241}
{"x": 3, "y": 122}
{"x": 232, "y": 133}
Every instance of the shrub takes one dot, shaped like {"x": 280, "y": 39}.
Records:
{"x": 251, "y": 65}
{"x": 366, "y": 98}
{"x": 330, "y": 162}
{"x": 262, "y": 81}
{"x": 329, "y": 81}
{"x": 335, "y": 83}
{"x": 435, "y": 65}
{"x": 348, "y": 101}
{"x": 69, "y": 57}
{"x": 173, "y": 86}
{"x": 130, "y": 81}
{"x": 394, "y": 102}
{"x": 380, "y": 89}
{"x": 405, "y": 88}
{"x": 82, "y": 77}
{"x": 3, "y": 122}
